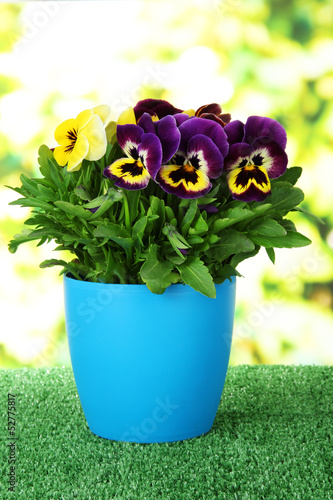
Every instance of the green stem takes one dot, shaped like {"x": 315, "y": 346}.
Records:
{"x": 169, "y": 200}
{"x": 127, "y": 213}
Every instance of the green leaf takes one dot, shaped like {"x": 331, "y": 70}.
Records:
{"x": 169, "y": 215}
{"x": 232, "y": 216}
{"x": 18, "y": 239}
{"x": 195, "y": 274}
{"x": 195, "y": 239}
{"x": 133, "y": 198}
{"x": 310, "y": 215}
{"x": 285, "y": 197}
{"x": 139, "y": 228}
{"x": 176, "y": 239}
{"x": 74, "y": 210}
{"x": 239, "y": 257}
{"x": 259, "y": 209}
{"x": 225, "y": 272}
{"x": 57, "y": 176}
{"x": 115, "y": 233}
{"x": 291, "y": 175}
{"x": 231, "y": 242}
{"x": 157, "y": 207}
{"x": 82, "y": 193}
{"x": 45, "y": 154}
{"x": 200, "y": 226}
{"x": 288, "y": 225}
{"x": 156, "y": 274}
{"x": 268, "y": 227}
{"x": 291, "y": 240}
{"x": 31, "y": 202}
{"x": 271, "y": 254}
{"x": 188, "y": 217}
{"x": 66, "y": 265}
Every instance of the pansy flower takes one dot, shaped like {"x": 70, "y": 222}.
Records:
{"x": 166, "y": 130}
{"x": 256, "y": 154}
{"x": 203, "y": 146}
{"x": 143, "y": 158}
{"x": 81, "y": 138}
{"x": 211, "y": 112}
{"x": 157, "y": 108}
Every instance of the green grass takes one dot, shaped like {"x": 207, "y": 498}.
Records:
{"x": 271, "y": 439}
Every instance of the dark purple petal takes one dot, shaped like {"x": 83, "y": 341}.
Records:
{"x": 215, "y": 118}
{"x": 271, "y": 156}
{"x": 260, "y": 126}
{"x": 150, "y": 153}
{"x": 209, "y": 108}
{"x": 205, "y": 156}
{"x": 169, "y": 135}
{"x": 180, "y": 118}
{"x": 183, "y": 251}
{"x": 93, "y": 210}
{"x": 147, "y": 124}
{"x": 129, "y": 136}
{"x": 211, "y": 129}
{"x": 234, "y": 131}
{"x": 238, "y": 154}
{"x": 153, "y": 107}
{"x": 209, "y": 208}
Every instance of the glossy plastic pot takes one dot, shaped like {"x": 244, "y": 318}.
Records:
{"x": 148, "y": 368}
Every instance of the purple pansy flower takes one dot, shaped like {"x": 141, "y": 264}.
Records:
{"x": 213, "y": 112}
{"x": 166, "y": 130}
{"x": 158, "y": 108}
{"x": 144, "y": 157}
{"x": 256, "y": 154}
{"x": 202, "y": 149}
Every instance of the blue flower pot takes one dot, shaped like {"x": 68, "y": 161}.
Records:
{"x": 148, "y": 368}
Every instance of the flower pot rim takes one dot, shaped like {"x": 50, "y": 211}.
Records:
{"x": 137, "y": 288}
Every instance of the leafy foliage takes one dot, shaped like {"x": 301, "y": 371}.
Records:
{"x": 149, "y": 236}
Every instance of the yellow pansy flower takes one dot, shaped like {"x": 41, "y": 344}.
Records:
{"x": 82, "y": 138}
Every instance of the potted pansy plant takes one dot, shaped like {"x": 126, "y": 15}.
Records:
{"x": 156, "y": 211}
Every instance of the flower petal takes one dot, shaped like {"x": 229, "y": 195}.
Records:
{"x": 209, "y": 108}
{"x": 271, "y": 156}
{"x": 210, "y": 128}
{"x": 94, "y": 131}
{"x": 183, "y": 181}
{"x": 150, "y": 153}
{"x": 239, "y": 155}
{"x": 104, "y": 112}
{"x": 234, "y": 131}
{"x": 84, "y": 118}
{"x": 129, "y": 137}
{"x": 217, "y": 119}
{"x": 61, "y": 155}
{"x": 147, "y": 124}
{"x": 169, "y": 135}
{"x": 249, "y": 183}
{"x": 204, "y": 155}
{"x": 65, "y": 128}
{"x": 260, "y": 126}
{"x": 157, "y": 107}
{"x": 182, "y": 117}
{"x": 78, "y": 154}
{"x": 128, "y": 173}
{"x": 127, "y": 117}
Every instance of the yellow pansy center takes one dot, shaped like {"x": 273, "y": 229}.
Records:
{"x": 72, "y": 137}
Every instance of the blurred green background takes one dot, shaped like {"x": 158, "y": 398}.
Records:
{"x": 267, "y": 58}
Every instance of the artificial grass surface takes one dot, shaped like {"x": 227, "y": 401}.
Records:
{"x": 271, "y": 439}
